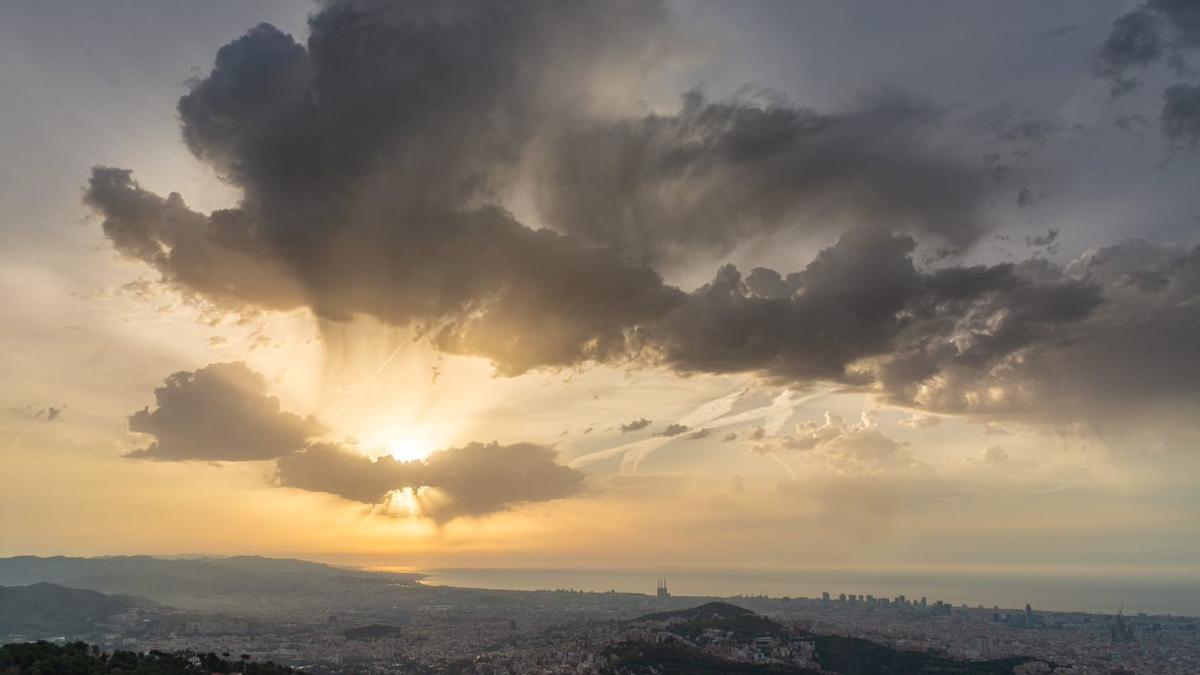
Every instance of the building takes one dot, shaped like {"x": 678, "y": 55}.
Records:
{"x": 1120, "y": 631}
{"x": 662, "y": 589}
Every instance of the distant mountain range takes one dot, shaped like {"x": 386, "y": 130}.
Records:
{"x": 45, "y": 610}
{"x": 164, "y": 579}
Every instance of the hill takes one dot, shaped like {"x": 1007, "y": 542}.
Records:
{"x": 44, "y": 609}
{"x": 693, "y": 640}
{"x": 77, "y": 658}
{"x": 166, "y": 580}
{"x": 691, "y": 623}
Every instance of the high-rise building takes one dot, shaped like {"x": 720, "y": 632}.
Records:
{"x": 825, "y": 598}
{"x": 1120, "y": 631}
{"x": 662, "y": 589}
{"x": 1029, "y": 616}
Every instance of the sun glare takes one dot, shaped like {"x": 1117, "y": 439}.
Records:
{"x": 406, "y": 447}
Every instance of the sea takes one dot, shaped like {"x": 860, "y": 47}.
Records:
{"x": 1174, "y": 594}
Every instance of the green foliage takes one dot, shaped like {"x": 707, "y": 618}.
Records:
{"x": 78, "y": 658}
{"x": 742, "y": 623}
{"x": 676, "y": 658}
{"x": 853, "y": 656}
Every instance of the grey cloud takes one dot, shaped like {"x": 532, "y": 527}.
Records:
{"x": 370, "y": 162}
{"x": 716, "y": 173}
{"x": 673, "y": 430}
{"x": 698, "y": 434}
{"x": 635, "y": 425}
{"x": 219, "y": 413}
{"x": 1047, "y": 239}
{"x": 1135, "y": 41}
{"x": 1153, "y": 32}
{"x": 729, "y": 437}
{"x": 469, "y": 481}
{"x": 851, "y": 295}
{"x": 1132, "y": 355}
{"x": 1180, "y": 117}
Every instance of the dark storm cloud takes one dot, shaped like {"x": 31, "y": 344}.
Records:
{"x": 222, "y": 413}
{"x": 1155, "y": 31}
{"x": 1045, "y": 347}
{"x": 470, "y": 481}
{"x": 717, "y": 173}
{"x": 635, "y": 425}
{"x": 219, "y": 413}
{"x": 847, "y": 307}
{"x": 1180, "y": 118}
{"x": 369, "y": 161}
{"x": 1031, "y": 340}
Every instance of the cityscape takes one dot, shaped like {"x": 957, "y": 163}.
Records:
{"x": 599, "y": 337}
{"x": 328, "y": 620}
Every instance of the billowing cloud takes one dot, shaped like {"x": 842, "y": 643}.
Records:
{"x": 469, "y": 481}
{"x": 222, "y": 413}
{"x": 372, "y": 161}
{"x": 717, "y": 173}
{"x": 219, "y": 413}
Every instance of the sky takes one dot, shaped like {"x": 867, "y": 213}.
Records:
{"x": 756, "y": 286}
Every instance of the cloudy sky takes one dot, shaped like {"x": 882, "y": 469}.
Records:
{"x": 852, "y": 285}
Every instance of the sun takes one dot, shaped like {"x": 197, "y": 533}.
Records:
{"x": 408, "y": 446}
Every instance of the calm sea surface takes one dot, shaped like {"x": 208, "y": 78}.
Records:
{"x": 1175, "y": 594}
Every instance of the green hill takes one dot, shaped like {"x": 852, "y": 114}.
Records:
{"x": 77, "y": 658}
{"x": 831, "y": 653}
{"x": 43, "y": 609}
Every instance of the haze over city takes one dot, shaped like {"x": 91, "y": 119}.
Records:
{"x": 765, "y": 297}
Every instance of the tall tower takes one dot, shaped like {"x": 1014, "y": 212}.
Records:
{"x": 662, "y": 589}
{"x": 1120, "y": 631}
